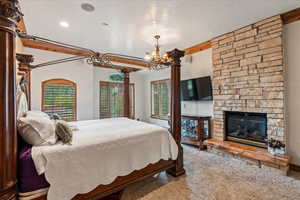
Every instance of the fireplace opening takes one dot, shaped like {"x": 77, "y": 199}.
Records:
{"x": 246, "y": 128}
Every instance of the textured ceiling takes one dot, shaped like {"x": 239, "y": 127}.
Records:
{"x": 133, "y": 23}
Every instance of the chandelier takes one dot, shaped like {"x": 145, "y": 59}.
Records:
{"x": 157, "y": 62}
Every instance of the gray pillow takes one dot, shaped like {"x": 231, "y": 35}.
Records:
{"x": 64, "y": 131}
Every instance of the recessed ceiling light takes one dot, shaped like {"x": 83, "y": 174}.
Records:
{"x": 87, "y": 7}
{"x": 64, "y": 24}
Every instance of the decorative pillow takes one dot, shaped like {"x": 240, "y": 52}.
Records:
{"x": 55, "y": 116}
{"x": 37, "y": 114}
{"x": 37, "y": 131}
{"x": 64, "y": 131}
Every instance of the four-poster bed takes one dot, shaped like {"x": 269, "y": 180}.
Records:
{"x": 9, "y": 15}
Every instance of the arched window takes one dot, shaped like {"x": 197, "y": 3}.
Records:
{"x": 59, "y": 97}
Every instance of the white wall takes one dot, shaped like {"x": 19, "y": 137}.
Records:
{"x": 201, "y": 65}
{"x": 77, "y": 71}
{"x": 292, "y": 52}
{"x": 101, "y": 74}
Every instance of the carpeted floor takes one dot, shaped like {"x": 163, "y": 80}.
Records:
{"x": 212, "y": 177}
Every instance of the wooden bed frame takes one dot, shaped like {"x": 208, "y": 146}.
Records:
{"x": 9, "y": 16}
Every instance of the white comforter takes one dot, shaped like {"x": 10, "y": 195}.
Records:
{"x": 101, "y": 151}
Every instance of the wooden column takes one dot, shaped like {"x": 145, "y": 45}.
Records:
{"x": 175, "y": 124}
{"x": 24, "y": 67}
{"x": 9, "y": 14}
{"x": 126, "y": 94}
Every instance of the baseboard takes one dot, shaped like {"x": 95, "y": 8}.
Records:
{"x": 295, "y": 167}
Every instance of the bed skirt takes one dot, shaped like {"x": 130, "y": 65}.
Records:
{"x": 33, "y": 194}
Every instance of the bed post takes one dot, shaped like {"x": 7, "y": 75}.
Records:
{"x": 126, "y": 93}
{"x": 175, "y": 124}
{"x": 9, "y": 14}
{"x": 24, "y": 67}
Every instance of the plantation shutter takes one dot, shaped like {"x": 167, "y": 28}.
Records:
{"x": 105, "y": 101}
{"x": 59, "y": 97}
{"x": 112, "y": 100}
{"x": 160, "y": 94}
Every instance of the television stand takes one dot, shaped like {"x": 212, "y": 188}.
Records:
{"x": 195, "y": 129}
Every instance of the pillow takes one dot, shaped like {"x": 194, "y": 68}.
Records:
{"x": 37, "y": 131}
{"x": 64, "y": 131}
{"x": 37, "y": 114}
{"x": 55, "y": 116}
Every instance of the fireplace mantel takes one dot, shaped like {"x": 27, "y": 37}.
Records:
{"x": 260, "y": 157}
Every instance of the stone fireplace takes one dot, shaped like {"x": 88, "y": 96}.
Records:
{"x": 246, "y": 128}
{"x": 248, "y": 77}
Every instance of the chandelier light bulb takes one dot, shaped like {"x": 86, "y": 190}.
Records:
{"x": 154, "y": 54}
{"x": 165, "y": 55}
{"x": 147, "y": 56}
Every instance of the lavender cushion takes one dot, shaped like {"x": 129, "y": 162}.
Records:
{"x": 28, "y": 179}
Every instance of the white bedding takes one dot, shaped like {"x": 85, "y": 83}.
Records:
{"x": 101, "y": 151}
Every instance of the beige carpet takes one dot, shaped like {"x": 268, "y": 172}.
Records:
{"x": 212, "y": 177}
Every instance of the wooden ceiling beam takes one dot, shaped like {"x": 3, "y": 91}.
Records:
{"x": 34, "y": 44}
{"x": 66, "y": 50}
{"x": 116, "y": 67}
{"x": 129, "y": 61}
{"x": 198, "y": 47}
{"x": 291, "y": 16}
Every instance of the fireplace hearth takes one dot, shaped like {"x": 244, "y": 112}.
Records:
{"x": 246, "y": 128}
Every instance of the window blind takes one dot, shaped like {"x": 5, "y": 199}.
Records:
{"x": 112, "y": 100}
{"x": 59, "y": 97}
{"x": 160, "y": 98}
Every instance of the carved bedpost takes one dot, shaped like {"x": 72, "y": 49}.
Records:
{"x": 9, "y": 15}
{"x": 126, "y": 94}
{"x": 175, "y": 124}
{"x": 24, "y": 67}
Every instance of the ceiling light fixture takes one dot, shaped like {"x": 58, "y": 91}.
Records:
{"x": 87, "y": 7}
{"x": 157, "y": 62}
{"x": 64, "y": 24}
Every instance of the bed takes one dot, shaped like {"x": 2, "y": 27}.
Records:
{"x": 167, "y": 154}
{"x": 101, "y": 151}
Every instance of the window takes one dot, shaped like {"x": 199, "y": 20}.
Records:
{"x": 112, "y": 100}
{"x": 160, "y": 99}
{"x": 59, "y": 97}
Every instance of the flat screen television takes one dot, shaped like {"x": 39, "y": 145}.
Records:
{"x": 198, "y": 89}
